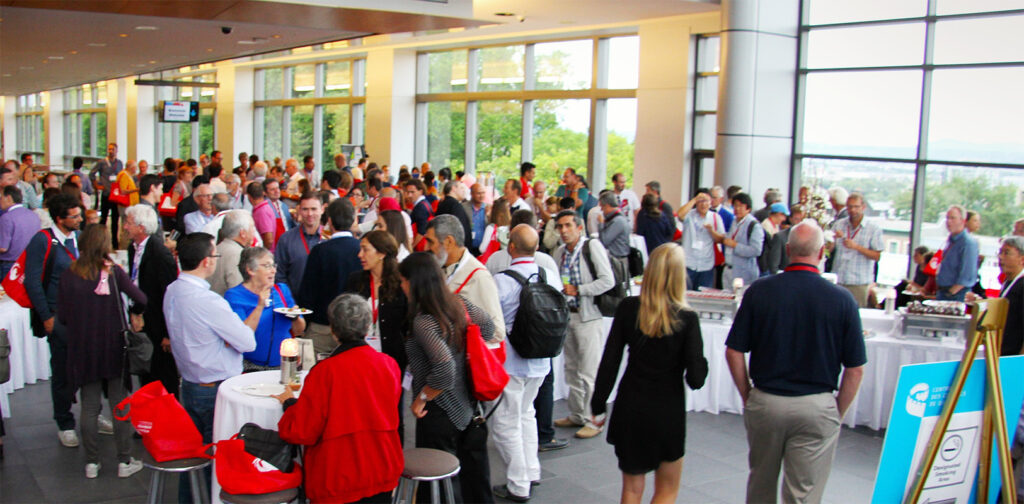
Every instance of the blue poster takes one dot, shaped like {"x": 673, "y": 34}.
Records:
{"x": 920, "y": 394}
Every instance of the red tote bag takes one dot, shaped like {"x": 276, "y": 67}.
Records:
{"x": 241, "y": 473}
{"x": 168, "y": 433}
{"x": 486, "y": 371}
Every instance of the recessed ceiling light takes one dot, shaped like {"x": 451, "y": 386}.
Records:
{"x": 277, "y": 36}
{"x": 505, "y": 14}
{"x": 146, "y": 28}
{"x": 7, "y": 75}
{"x": 122, "y": 35}
{"x": 74, "y": 52}
{"x": 56, "y": 57}
{"x": 97, "y": 44}
{"x": 140, "y": 64}
{"x": 26, "y": 68}
{"x": 209, "y": 50}
{"x": 152, "y": 62}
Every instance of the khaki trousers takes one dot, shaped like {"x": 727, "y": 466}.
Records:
{"x": 323, "y": 340}
{"x": 583, "y": 348}
{"x": 860, "y": 293}
{"x": 797, "y": 434}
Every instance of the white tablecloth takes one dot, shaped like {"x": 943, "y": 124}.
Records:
{"x": 235, "y": 409}
{"x": 30, "y": 356}
{"x": 885, "y": 353}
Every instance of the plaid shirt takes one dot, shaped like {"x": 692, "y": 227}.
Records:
{"x": 571, "y": 266}
{"x": 852, "y": 267}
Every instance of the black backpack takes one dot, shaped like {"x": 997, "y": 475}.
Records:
{"x": 542, "y": 320}
{"x": 608, "y": 301}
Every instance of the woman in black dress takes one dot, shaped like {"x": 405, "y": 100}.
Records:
{"x": 648, "y": 427}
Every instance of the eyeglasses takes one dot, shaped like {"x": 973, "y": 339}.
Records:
{"x": 214, "y": 255}
{"x": 269, "y": 265}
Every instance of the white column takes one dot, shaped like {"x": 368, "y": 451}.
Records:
{"x": 234, "y": 118}
{"x": 117, "y": 119}
{"x": 54, "y": 113}
{"x": 390, "y": 106}
{"x": 755, "y": 94}
{"x": 145, "y": 126}
{"x": 8, "y": 106}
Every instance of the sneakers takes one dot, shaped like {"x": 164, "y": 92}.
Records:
{"x": 503, "y": 492}
{"x": 566, "y": 422}
{"x": 587, "y": 432}
{"x": 105, "y": 425}
{"x": 68, "y": 438}
{"x": 125, "y": 470}
{"x": 554, "y": 444}
{"x": 92, "y": 470}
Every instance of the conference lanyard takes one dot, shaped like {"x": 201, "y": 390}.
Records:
{"x": 801, "y": 267}
{"x": 1003, "y": 292}
{"x": 373, "y": 299}
{"x": 302, "y": 234}
{"x": 854, "y": 235}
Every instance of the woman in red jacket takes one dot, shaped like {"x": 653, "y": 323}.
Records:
{"x": 347, "y": 415}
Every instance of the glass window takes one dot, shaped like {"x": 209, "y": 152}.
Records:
{"x": 883, "y": 45}
{"x": 977, "y": 115}
{"x": 101, "y": 134}
{"x": 707, "y": 93}
{"x": 446, "y": 134}
{"x": 991, "y": 192}
{"x": 844, "y": 11}
{"x": 184, "y": 131}
{"x": 303, "y": 81}
{"x": 338, "y": 78}
{"x": 500, "y": 137}
{"x": 623, "y": 62}
{"x": 302, "y": 131}
{"x": 85, "y": 136}
{"x": 501, "y": 68}
{"x": 273, "y": 83}
{"x": 987, "y": 39}
{"x": 965, "y": 6}
{"x": 560, "y": 131}
{"x": 621, "y": 138}
{"x": 708, "y": 51}
{"x": 101, "y": 95}
{"x": 564, "y": 65}
{"x": 862, "y": 113}
{"x": 888, "y": 191}
{"x": 272, "y": 131}
{"x": 206, "y": 130}
{"x": 447, "y": 72}
{"x": 336, "y": 128}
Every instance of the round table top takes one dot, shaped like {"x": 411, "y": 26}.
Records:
{"x": 235, "y": 408}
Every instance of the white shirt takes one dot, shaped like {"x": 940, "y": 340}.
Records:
{"x": 501, "y": 260}
{"x": 63, "y": 237}
{"x": 508, "y": 295}
{"x": 139, "y": 249}
{"x": 629, "y": 204}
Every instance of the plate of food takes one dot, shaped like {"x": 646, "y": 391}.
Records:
{"x": 293, "y": 311}
{"x": 262, "y": 389}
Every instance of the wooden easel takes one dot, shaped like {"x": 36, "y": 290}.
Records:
{"x": 988, "y": 317}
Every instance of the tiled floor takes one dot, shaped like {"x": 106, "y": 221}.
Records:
{"x": 38, "y": 469}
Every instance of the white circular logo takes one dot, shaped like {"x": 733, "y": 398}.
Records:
{"x": 917, "y": 399}
{"x": 15, "y": 271}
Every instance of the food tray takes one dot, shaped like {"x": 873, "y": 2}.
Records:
{"x": 934, "y": 326}
{"x": 712, "y": 305}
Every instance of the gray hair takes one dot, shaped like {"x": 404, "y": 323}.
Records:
{"x": 719, "y": 190}
{"x": 839, "y": 194}
{"x": 609, "y": 198}
{"x": 447, "y": 225}
{"x": 235, "y": 222}
{"x": 772, "y": 196}
{"x": 805, "y": 243}
{"x": 349, "y": 316}
{"x": 250, "y": 261}
{"x": 222, "y": 202}
{"x": 1015, "y": 241}
{"x": 232, "y": 177}
{"x": 143, "y": 215}
{"x": 259, "y": 169}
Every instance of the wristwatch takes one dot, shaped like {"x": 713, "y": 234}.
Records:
{"x": 423, "y": 397}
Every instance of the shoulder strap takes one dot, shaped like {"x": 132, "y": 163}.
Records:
{"x": 515, "y": 276}
{"x": 47, "y": 259}
{"x": 281, "y": 295}
{"x": 466, "y": 281}
{"x": 586, "y": 257}
{"x": 750, "y": 231}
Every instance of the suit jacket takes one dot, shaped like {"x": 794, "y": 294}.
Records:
{"x": 1013, "y": 333}
{"x": 227, "y": 275}
{"x": 157, "y": 270}
{"x": 451, "y": 206}
{"x": 480, "y": 290}
{"x": 327, "y": 270}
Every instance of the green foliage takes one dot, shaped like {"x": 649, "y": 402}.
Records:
{"x": 301, "y": 132}
{"x": 995, "y": 202}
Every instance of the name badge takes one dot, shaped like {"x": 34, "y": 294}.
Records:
{"x": 112, "y": 178}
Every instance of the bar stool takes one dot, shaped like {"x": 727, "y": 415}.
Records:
{"x": 427, "y": 464}
{"x": 280, "y": 497}
{"x": 193, "y": 466}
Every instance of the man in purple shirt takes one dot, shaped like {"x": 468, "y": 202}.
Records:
{"x": 17, "y": 226}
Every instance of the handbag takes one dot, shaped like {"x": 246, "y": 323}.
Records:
{"x": 486, "y": 373}
{"x": 138, "y": 349}
{"x": 636, "y": 262}
{"x": 5, "y": 359}
{"x": 168, "y": 433}
{"x": 267, "y": 444}
{"x": 118, "y": 197}
{"x": 241, "y": 473}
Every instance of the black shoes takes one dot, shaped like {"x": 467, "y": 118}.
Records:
{"x": 554, "y": 444}
{"x": 503, "y": 492}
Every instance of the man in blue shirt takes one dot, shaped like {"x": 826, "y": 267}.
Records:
{"x": 477, "y": 208}
{"x": 801, "y": 331}
{"x": 958, "y": 270}
{"x": 294, "y": 246}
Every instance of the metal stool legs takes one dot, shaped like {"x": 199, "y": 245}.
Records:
{"x": 156, "y": 488}
{"x": 407, "y": 490}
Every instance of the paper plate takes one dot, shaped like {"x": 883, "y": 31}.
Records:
{"x": 262, "y": 389}
{"x": 293, "y": 312}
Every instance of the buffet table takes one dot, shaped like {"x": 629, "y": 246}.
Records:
{"x": 886, "y": 355}
{"x": 30, "y": 356}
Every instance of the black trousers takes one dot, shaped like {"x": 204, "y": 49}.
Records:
{"x": 473, "y": 484}
{"x": 60, "y": 390}
{"x": 545, "y": 405}
{"x": 162, "y": 368}
{"x": 106, "y": 206}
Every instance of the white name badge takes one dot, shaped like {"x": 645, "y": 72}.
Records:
{"x": 112, "y": 178}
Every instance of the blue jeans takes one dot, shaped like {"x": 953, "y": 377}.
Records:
{"x": 942, "y": 294}
{"x": 701, "y": 278}
{"x": 198, "y": 402}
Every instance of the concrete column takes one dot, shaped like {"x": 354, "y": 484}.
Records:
{"x": 144, "y": 129}
{"x": 755, "y": 94}
{"x": 53, "y": 112}
{"x": 663, "y": 97}
{"x": 390, "y": 106}
{"x": 8, "y": 106}
{"x": 117, "y": 116}
{"x": 234, "y": 118}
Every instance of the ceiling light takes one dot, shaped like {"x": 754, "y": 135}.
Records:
{"x": 122, "y": 35}
{"x": 26, "y": 68}
{"x": 56, "y": 57}
{"x": 7, "y": 75}
{"x": 97, "y": 44}
{"x": 277, "y": 36}
{"x": 140, "y": 64}
{"x": 152, "y": 62}
{"x": 209, "y": 50}
{"x": 505, "y": 14}
{"x": 146, "y": 28}
{"x": 74, "y": 52}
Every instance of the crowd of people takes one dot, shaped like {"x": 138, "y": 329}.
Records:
{"x": 396, "y": 269}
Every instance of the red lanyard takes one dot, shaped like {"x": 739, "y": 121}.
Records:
{"x": 302, "y": 234}
{"x": 522, "y": 261}
{"x": 281, "y": 294}
{"x": 801, "y": 267}
{"x": 854, "y": 235}
{"x": 373, "y": 299}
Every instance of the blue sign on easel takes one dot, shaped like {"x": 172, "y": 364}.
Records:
{"x": 920, "y": 394}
